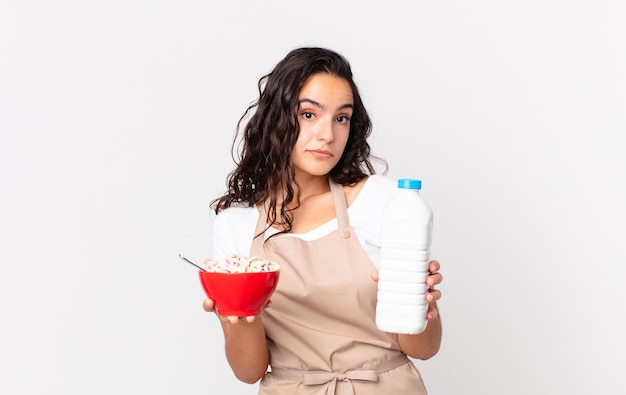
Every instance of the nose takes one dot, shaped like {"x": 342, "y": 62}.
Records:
{"x": 325, "y": 131}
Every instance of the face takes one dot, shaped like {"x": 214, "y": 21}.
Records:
{"x": 325, "y": 108}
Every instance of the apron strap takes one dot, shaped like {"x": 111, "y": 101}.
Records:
{"x": 259, "y": 231}
{"x": 341, "y": 209}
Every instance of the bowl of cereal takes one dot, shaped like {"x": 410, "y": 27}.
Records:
{"x": 239, "y": 285}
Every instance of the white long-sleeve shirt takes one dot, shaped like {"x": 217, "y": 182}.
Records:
{"x": 233, "y": 228}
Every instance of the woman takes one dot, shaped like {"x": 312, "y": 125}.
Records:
{"x": 304, "y": 194}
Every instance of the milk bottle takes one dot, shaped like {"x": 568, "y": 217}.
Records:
{"x": 404, "y": 255}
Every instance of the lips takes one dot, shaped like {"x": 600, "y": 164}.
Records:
{"x": 321, "y": 153}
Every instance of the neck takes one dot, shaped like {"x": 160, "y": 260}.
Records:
{"x": 312, "y": 186}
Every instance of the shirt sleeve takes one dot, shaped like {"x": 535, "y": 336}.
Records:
{"x": 366, "y": 213}
{"x": 233, "y": 230}
{"x": 221, "y": 243}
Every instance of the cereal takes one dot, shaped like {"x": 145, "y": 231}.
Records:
{"x": 240, "y": 264}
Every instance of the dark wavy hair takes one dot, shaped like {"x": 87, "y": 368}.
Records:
{"x": 264, "y": 168}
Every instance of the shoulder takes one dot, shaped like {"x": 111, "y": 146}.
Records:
{"x": 380, "y": 182}
{"x": 372, "y": 196}
{"x": 235, "y": 216}
{"x": 370, "y": 186}
{"x": 377, "y": 188}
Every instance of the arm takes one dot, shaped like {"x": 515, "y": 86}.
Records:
{"x": 426, "y": 344}
{"x": 245, "y": 344}
{"x": 244, "y": 339}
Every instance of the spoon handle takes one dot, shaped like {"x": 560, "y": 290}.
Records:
{"x": 191, "y": 263}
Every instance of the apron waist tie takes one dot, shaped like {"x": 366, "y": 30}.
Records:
{"x": 319, "y": 377}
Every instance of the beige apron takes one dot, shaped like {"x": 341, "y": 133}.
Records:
{"x": 321, "y": 329}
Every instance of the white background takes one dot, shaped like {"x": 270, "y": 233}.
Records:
{"x": 116, "y": 119}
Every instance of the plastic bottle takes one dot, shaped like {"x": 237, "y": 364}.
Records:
{"x": 404, "y": 255}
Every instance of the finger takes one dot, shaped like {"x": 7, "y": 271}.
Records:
{"x": 432, "y": 314}
{"x": 208, "y": 305}
{"x": 434, "y": 266}
{"x": 433, "y": 295}
{"x": 250, "y": 318}
{"x": 434, "y": 279}
{"x": 374, "y": 275}
{"x": 232, "y": 319}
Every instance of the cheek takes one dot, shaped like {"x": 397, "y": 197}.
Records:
{"x": 344, "y": 139}
{"x": 299, "y": 143}
{"x": 304, "y": 137}
{"x": 296, "y": 150}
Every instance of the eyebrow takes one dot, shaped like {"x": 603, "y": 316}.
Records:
{"x": 323, "y": 107}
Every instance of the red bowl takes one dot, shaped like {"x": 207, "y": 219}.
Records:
{"x": 239, "y": 294}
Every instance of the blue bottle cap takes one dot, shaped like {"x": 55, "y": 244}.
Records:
{"x": 409, "y": 183}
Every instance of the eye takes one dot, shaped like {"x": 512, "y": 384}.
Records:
{"x": 307, "y": 115}
{"x": 343, "y": 119}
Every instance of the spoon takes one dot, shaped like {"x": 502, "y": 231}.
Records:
{"x": 191, "y": 263}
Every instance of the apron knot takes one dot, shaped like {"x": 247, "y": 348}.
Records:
{"x": 345, "y": 380}
{"x": 339, "y": 383}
